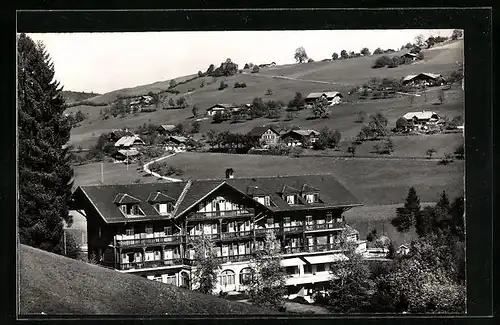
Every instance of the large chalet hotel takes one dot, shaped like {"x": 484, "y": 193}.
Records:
{"x": 146, "y": 229}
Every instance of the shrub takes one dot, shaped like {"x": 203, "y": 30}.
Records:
{"x": 394, "y": 62}
{"x": 430, "y": 152}
{"x": 269, "y": 92}
{"x": 222, "y": 85}
{"x": 239, "y": 85}
{"x": 382, "y": 62}
{"x": 255, "y": 69}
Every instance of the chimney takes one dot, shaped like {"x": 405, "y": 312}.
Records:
{"x": 229, "y": 173}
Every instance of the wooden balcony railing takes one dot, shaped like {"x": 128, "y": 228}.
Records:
{"x": 236, "y": 234}
{"x": 235, "y": 258}
{"x": 220, "y": 214}
{"x": 262, "y": 232}
{"x": 323, "y": 226}
{"x": 293, "y": 229}
{"x": 175, "y": 239}
{"x": 150, "y": 264}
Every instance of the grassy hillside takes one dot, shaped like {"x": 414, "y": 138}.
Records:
{"x": 341, "y": 75}
{"x": 374, "y": 182}
{"x": 58, "y": 285}
{"x": 76, "y": 96}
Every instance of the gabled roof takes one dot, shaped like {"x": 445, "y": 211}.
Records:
{"x": 286, "y": 189}
{"x": 260, "y": 130}
{"x": 159, "y": 197}
{"x": 305, "y": 132}
{"x": 127, "y": 141}
{"x": 327, "y": 94}
{"x": 129, "y": 152}
{"x": 221, "y": 105}
{"x": 167, "y": 127}
{"x": 179, "y": 139}
{"x": 105, "y": 197}
{"x": 306, "y": 188}
{"x": 426, "y": 74}
{"x": 423, "y": 115}
{"x": 124, "y": 198}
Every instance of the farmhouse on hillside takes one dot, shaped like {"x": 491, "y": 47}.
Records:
{"x": 165, "y": 129}
{"x": 409, "y": 57}
{"x": 211, "y": 111}
{"x": 333, "y": 97}
{"x": 265, "y": 135}
{"x": 424, "y": 78}
{"x": 176, "y": 143}
{"x": 265, "y": 65}
{"x": 126, "y": 155}
{"x": 115, "y": 135}
{"x": 423, "y": 119}
{"x": 146, "y": 229}
{"x": 129, "y": 142}
{"x": 299, "y": 137}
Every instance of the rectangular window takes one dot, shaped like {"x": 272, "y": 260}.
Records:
{"x": 267, "y": 201}
{"x": 286, "y": 221}
{"x": 270, "y": 222}
{"x": 170, "y": 207}
{"x": 129, "y": 232}
{"x": 329, "y": 218}
{"x": 309, "y": 220}
{"x": 316, "y": 197}
{"x": 320, "y": 267}
{"x": 149, "y": 229}
{"x": 198, "y": 227}
{"x": 290, "y": 199}
{"x": 167, "y": 231}
{"x": 307, "y": 269}
{"x": 123, "y": 208}
{"x": 214, "y": 228}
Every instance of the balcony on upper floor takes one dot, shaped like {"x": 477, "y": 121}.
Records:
{"x": 151, "y": 241}
{"x": 227, "y": 214}
{"x": 314, "y": 226}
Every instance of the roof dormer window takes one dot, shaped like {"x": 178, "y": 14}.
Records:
{"x": 291, "y": 199}
{"x": 312, "y": 198}
{"x": 264, "y": 200}
{"x": 131, "y": 210}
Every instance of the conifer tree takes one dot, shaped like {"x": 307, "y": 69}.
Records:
{"x": 43, "y": 132}
{"x": 207, "y": 265}
{"x": 406, "y": 216}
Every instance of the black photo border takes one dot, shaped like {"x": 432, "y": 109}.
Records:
{"x": 477, "y": 25}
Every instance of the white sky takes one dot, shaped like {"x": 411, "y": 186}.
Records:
{"x": 102, "y": 62}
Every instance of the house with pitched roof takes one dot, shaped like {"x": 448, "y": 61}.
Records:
{"x": 129, "y": 142}
{"x": 423, "y": 119}
{"x": 333, "y": 97}
{"x": 147, "y": 229}
{"x": 265, "y": 135}
{"x": 221, "y": 108}
{"x": 424, "y": 78}
{"x": 166, "y": 129}
{"x": 299, "y": 137}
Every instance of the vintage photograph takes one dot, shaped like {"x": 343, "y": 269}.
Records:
{"x": 288, "y": 172}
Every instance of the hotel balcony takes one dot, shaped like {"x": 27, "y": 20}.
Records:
{"x": 150, "y": 264}
{"x": 312, "y": 248}
{"x": 262, "y": 232}
{"x": 314, "y": 227}
{"x": 165, "y": 240}
{"x": 221, "y": 214}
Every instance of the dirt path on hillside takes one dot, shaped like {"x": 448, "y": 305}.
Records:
{"x": 295, "y": 79}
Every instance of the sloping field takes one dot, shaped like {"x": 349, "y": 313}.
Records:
{"x": 374, "y": 182}
{"x": 342, "y": 74}
{"x": 58, "y": 285}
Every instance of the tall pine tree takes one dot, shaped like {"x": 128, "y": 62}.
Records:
{"x": 43, "y": 157}
{"x": 407, "y": 216}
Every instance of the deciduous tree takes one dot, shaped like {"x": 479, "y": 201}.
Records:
{"x": 207, "y": 265}
{"x": 300, "y": 55}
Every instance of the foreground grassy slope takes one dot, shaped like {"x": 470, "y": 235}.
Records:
{"x": 374, "y": 182}
{"x": 55, "y": 284}
{"x": 340, "y": 75}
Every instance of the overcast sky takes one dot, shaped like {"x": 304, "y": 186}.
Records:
{"x": 102, "y": 62}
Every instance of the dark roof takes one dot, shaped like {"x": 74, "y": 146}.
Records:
{"x": 306, "y": 188}
{"x": 124, "y": 198}
{"x": 103, "y": 197}
{"x": 159, "y": 197}
{"x": 286, "y": 189}
{"x": 260, "y": 130}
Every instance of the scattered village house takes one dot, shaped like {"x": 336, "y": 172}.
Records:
{"x": 176, "y": 143}
{"x": 221, "y": 108}
{"x": 126, "y": 155}
{"x": 409, "y": 57}
{"x": 333, "y": 98}
{"x": 141, "y": 101}
{"x": 299, "y": 137}
{"x": 166, "y": 129}
{"x": 145, "y": 229}
{"x": 129, "y": 142}
{"x": 424, "y": 79}
{"x": 115, "y": 135}
{"x": 423, "y": 119}
{"x": 265, "y": 135}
